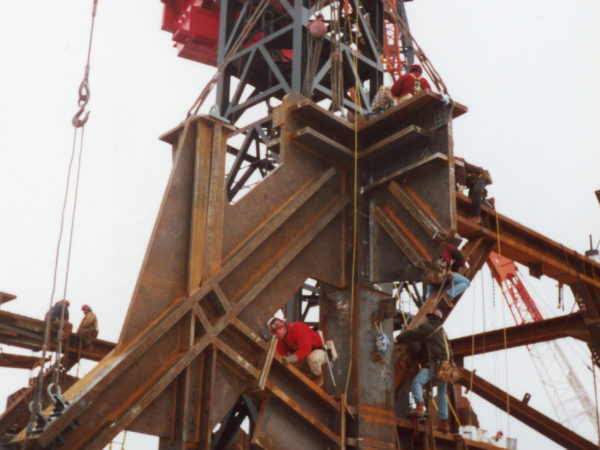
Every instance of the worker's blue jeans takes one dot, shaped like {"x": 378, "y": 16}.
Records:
{"x": 459, "y": 284}
{"x": 417, "y": 390}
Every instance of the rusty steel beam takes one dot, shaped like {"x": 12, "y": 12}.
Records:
{"x": 526, "y": 414}
{"x": 542, "y": 255}
{"x": 215, "y": 271}
{"x": 14, "y": 361}
{"x": 5, "y": 297}
{"x": 270, "y": 245}
{"x": 26, "y": 332}
{"x": 572, "y": 325}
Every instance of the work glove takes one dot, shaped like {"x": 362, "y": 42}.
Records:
{"x": 291, "y": 359}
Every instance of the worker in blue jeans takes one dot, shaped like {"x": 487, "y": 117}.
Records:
{"x": 434, "y": 340}
{"x": 454, "y": 260}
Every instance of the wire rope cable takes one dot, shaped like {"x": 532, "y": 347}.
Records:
{"x": 355, "y": 211}
{"x": 78, "y": 121}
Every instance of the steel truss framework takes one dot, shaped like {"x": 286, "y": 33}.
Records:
{"x": 215, "y": 271}
{"x": 273, "y": 61}
{"x": 380, "y": 195}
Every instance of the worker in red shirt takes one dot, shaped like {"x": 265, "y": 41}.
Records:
{"x": 410, "y": 83}
{"x": 298, "y": 343}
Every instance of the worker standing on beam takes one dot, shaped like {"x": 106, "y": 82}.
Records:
{"x": 435, "y": 343}
{"x": 477, "y": 180}
{"x": 299, "y": 344}
{"x": 88, "y": 328}
{"x": 410, "y": 83}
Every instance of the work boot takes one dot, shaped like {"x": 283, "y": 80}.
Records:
{"x": 319, "y": 380}
{"x": 332, "y": 351}
{"x": 419, "y": 411}
{"x": 443, "y": 426}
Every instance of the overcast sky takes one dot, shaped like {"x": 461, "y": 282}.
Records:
{"x": 528, "y": 71}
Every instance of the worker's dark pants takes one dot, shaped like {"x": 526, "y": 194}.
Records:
{"x": 87, "y": 336}
{"x": 476, "y": 196}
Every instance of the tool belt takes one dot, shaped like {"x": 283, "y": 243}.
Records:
{"x": 447, "y": 372}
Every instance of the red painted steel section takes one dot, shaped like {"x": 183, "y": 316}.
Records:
{"x": 505, "y": 272}
{"x": 195, "y": 28}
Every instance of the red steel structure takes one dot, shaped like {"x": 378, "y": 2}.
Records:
{"x": 520, "y": 303}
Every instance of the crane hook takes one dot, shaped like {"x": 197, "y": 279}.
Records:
{"x": 84, "y": 98}
{"x": 76, "y": 121}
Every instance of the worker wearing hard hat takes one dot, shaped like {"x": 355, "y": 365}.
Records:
{"x": 455, "y": 283}
{"x": 433, "y": 339}
{"x": 60, "y": 310}
{"x": 297, "y": 342}
{"x": 410, "y": 83}
{"x": 88, "y": 328}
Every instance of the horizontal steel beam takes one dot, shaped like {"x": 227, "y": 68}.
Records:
{"x": 542, "y": 255}
{"x": 27, "y": 332}
{"x": 14, "y": 361}
{"x": 4, "y": 297}
{"x": 526, "y": 414}
{"x": 572, "y": 325}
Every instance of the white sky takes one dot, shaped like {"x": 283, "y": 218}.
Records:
{"x": 528, "y": 71}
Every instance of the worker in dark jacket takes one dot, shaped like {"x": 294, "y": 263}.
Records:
{"x": 453, "y": 262}
{"x": 58, "y": 310}
{"x": 410, "y": 83}
{"x": 297, "y": 342}
{"x": 88, "y": 328}
{"x": 433, "y": 338}
{"x": 476, "y": 181}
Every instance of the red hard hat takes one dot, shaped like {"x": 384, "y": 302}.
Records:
{"x": 67, "y": 302}
{"x": 415, "y": 68}
{"x": 85, "y": 307}
{"x": 436, "y": 313}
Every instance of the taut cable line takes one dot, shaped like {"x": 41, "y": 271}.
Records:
{"x": 78, "y": 121}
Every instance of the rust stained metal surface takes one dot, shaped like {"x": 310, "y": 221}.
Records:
{"x": 15, "y": 361}
{"x": 543, "y": 256}
{"x": 521, "y": 244}
{"x": 572, "y": 325}
{"x": 257, "y": 267}
{"x": 26, "y": 332}
{"x": 4, "y": 297}
{"x": 526, "y": 414}
{"x": 215, "y": 271}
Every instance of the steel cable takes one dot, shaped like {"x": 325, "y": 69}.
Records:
{"x": 78, "y": 122}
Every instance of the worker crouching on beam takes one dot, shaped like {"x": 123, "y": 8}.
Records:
{"x": 453, "y": 264}
{"x": 300, "y": 345}
{"x": 435, "y": 349}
